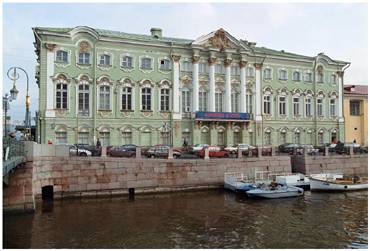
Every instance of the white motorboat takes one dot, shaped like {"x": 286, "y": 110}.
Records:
{"x": 293, "y": 179}
{"x": 336, "y": 182}
{"x": 276, "y": 191}
{"x": 238, "y": 182}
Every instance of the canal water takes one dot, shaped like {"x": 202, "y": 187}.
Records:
{"x": 203, "y": 219}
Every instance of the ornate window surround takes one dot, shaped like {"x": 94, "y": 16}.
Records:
{"x": 126, "y": 82}
{"x": 104, "y": 67}
{"x": 146, "y": 83}
{"x": 267, "y": 67}
{"x": 283, "y": 92}
{"x": 159, "y": 65}
{"x": 164, "y": 84}
{"x": 77, "y": 54}
{"x": 121, "y": 60}
{"x": 64, "y": 79}
{"x": 104, "y": 80}
{"x": 280, "y": 69}
{"x": 152, "y": 64}
{"x": 60, "y": 63}
{"x": 84, "y": 79}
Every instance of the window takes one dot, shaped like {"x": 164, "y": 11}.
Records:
{"x": 146, "y": 63}
{"x": 219, "y": 101}
{"x": 234, "y": 102}
{"x": 267, "y": 104}
{"x": 146, "y": 96}
{"x": 332, "y": 107}
{"x": 221, "y": 138}
{"x": 203, "y": 68}
{"x": 220, "y": 69}
{"x": 203, "y": 100}
{"x": 104, "y": 138}
{"x": 61, "y": 137}
{"x": 319, "y": 107}
{"x": 249, "y": 102}
{"x": 320, "y": 77}
{"x": 84, "y": 58}
{"x": 283, "y": 75}
{"x": 354, "y": 107}
{"x": 126, "y": 138}
{"x": 61, "y": 96}
{"x": 283, "y": 137}
{"x": 251, "y": 138}
{"x": 308, "y": 77}
{"x": 165, "y": 64}
{"x": 333, "y": 79}
{"x": 282, "y": 106}
{"x": 104, "y": 60}
{"x": 62, "y": 56}
{"x": 237, "y": 138}
{"x": 186, "y": 66}
{"x": 308, "y": 106}
{"x": 104, "y": 101}
{"x": 320, "y": 138}
{"x": 126, "y": 98}
{"x": 127, "y": 62}
{"x": 250, "y": 72}
{"x": 295, "y": 106}
{"x": 296, "y": 76}
{"x": 186, "y": 101}
{"x": 165, "y": 136}
{"x": 297, "y": 137}
{"x": 268, "y": 138}
{"x": 83, "y": 138}
{"x": 165, "y": 99}
{"x": 235, "y": 70}
{"x": 83, "y": 99}
{"x": 267, "y": 73}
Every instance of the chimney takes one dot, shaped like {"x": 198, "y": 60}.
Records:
{"x": 156, "y": 32}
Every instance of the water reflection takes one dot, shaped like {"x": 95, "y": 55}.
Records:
{"x": 207, "y": 219}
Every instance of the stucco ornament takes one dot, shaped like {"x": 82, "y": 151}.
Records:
{"x": 219, "y": 40}
{"x": 84, "y": 47}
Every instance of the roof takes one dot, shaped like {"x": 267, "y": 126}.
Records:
{"x": 355, "y": 89}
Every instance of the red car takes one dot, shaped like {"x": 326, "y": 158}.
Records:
{"x": 214, "y": 152}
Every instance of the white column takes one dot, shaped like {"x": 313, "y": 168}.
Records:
{"x": 228, "y": 86}
{"x": 212, "y": 85}
{"x": 49, "y": 82}
{"x": 243, "y": 104}
{"x": 195, "y": 83}
{"x": 176, "y": 87}
{"x": 258, "y": 98}
{"x": 340, "y": 94}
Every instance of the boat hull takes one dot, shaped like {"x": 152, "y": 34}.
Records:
{"x": 276, "y": 194}
{"x": 323, "y": 185}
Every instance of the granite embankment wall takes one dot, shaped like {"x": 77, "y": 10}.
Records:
{"x": 356, "y": 164}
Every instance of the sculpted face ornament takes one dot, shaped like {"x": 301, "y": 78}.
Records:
{"x": 84, "y": 47}
{"x": 219, "y": 40}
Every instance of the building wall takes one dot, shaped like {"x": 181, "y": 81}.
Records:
{"x": 356, "y": 122}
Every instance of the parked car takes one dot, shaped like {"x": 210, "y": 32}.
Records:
{"x": 214, "y": 151}
{"x": 95, "y": 151}
{"x": 234, "y": 148}
{"x": 331, "y": 147}
{"x": 288, "y": 147}
{"x": 266, "y": 151}
{"x": 161, "y": 151}
{"x": 74, "y": 151}
{"x": 129, "y": 147}
{"x": 122, "y": 151}
{"x": 309, "y": 148}
{"x": 357, "y": 148}
{"x": 198, "y": 147}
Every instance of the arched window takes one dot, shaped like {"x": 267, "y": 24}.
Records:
{"x": 268, "y": 137}
{"x": 104, "y": 97}
{"x": 165, "y": 99}
{"x": 320, "y": 110}
{"x": 62, "y": 56}
{"x": 234, "y": 101}
{"x": 219, "y": 100}
{"x": 127, "y": 62}
{"x": 333, "y": 108}
{"x": 126, "y": 98}
{"x": 282, "y": 105}
{"x": 297, "y": 137}
{"x": 249, "y": 101}
{"x": 296, "y": 76}
{"x": 283, "y": 75}
{"x": 320, "y": 137}
{"x": 61, "y": 136}
{"x": 203, "y": 100}
{"x": 104, "y": 60}
{"x": 186, "y": 99}
{"x": 267, "y": 104}
{"x": 83, "y": 98}
{"x": 61, "y": 95}
{"x": 308, "y": 102}
{"x": 146, "y": 99}
{"x": 296, "y": 105}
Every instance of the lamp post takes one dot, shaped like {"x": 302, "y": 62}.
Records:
{"x": 6, "y": 106}
{"x": 14, "y": 92}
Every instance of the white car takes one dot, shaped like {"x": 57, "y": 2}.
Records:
{"x": 243, "y": 147}
{"x": 81, "y": 152}
{"x": 199, "y": 147}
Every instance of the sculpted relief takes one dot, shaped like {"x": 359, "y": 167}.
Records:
{"x": 219, "y": 40}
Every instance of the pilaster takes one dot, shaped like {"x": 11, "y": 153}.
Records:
{"x": 258, "y": 98}
{"x": 228, "y": 85}
{"x": 212, "y": 87}
{"x": 196, "y": 83}
{"x": 243, "y": 105}
{"x": 176, "y": 87}
{"x": 49, "y": 112}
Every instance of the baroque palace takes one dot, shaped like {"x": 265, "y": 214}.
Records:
{"x": 149, "y": 89}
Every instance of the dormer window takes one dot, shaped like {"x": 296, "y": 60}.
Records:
{"x": 127, "y": 62}
{"x": 104, "y": 60}
{"x": 62, "y": 56}
{"x": 146, "y": 63}
{"x": 165, "y": 64}
{"x": 84, "y": 58}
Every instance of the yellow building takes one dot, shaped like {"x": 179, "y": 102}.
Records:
{"x": 355, "y": 113}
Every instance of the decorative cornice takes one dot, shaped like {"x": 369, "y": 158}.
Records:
{"x": 50, "y": 47}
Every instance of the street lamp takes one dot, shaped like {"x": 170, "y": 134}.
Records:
{"x": 14, "y": 93}
{"x": 6, "y": 106}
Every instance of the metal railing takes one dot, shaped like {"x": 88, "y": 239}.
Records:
{"x": 13, "y": 154}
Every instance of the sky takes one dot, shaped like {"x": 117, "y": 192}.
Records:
{"x": 337, "y": 29}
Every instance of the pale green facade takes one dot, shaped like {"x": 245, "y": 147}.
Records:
{"x": 115, "y": 125}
